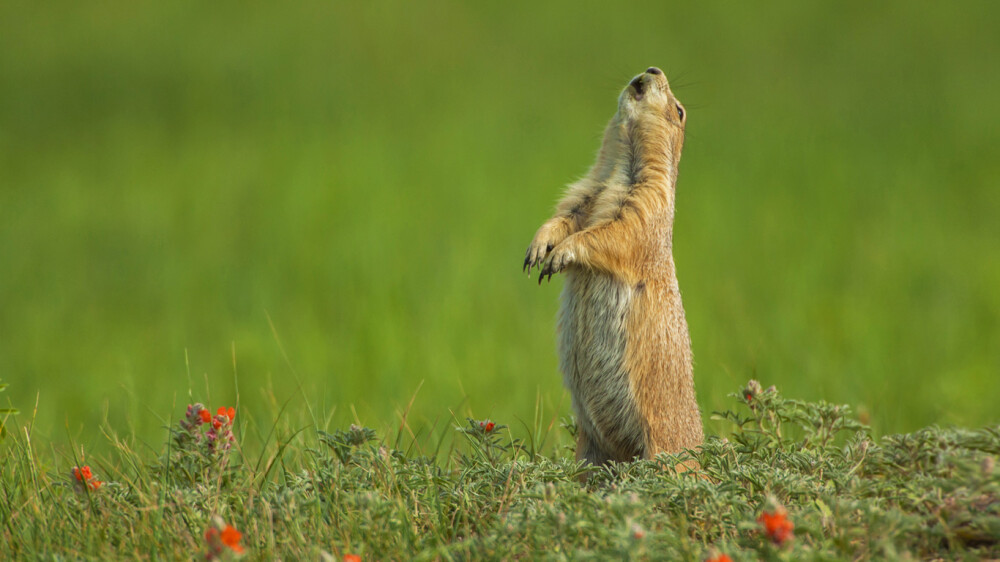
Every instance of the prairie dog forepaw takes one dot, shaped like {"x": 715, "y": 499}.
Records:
{"x": 536, "y": 253}
{"x": 548, "y": 237}
{"x": 559, "y": 259}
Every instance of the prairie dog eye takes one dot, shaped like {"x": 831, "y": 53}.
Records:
{"x": 680, "y": 112}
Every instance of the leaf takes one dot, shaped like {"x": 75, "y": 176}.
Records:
{"x": 825, "y": 510}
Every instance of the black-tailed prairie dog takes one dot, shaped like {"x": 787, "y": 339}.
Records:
{"x": 624, "y": 348}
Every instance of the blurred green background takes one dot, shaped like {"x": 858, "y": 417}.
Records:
{"x": 178, "y": 177}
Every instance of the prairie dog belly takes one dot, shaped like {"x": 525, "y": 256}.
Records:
{"x": 592, "y": 345}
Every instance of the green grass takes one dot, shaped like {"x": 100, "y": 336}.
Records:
{"x": 318, "y": 212}
{"x": 481, "y": 494}
{"x": 332, "y": 201}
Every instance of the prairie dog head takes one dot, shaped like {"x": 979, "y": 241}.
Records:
{"x": 648, "y": 102}
{"x": 643, "y": 141}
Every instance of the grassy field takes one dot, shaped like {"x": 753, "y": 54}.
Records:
{"x": 791, "y": 481}
{"x": 326, "y": 205}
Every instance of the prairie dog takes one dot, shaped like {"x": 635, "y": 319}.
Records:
{"x": 624, "y": 348}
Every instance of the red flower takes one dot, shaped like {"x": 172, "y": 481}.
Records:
{"x": 205, "y": 416}
{"x": 224, "y": 416}
{"x": 86, "y": 478}
{"x": 776, "y": 525}
{"x": 231, "y": 538}
{"x": 489, "y": 427}
{"x": 228, "y": 537}
{"x": 351, "y": 558}
{"x": 720, "y": 558}
{"x": 83, "y": 474}
{"x": 638, "y": 533}
{"x": 752, "y": 389}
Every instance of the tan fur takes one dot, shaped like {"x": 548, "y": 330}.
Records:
{"x": 624, "y": 348}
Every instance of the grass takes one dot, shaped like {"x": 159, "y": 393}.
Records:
{"x": 318, "y": 212}
{"x": 483, "y": 494}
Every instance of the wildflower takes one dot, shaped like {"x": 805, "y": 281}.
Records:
{"x": 85, "y": 478}
{"x": 750, "y": 394}
{"x": 638, "y": 533}
{"x": 776, "y": 525}
{"x": 220, "y": 433}
{"x": 83, "y": 474}
{"x": 196, "y": 415}
{"x": 218, "y": 540}
{"x": 752, "y": 389}
{"x": 720, "y": 558}
{"x": 351, "y": 558}
{"x": 231, "y": 538}
{"x": 487, "y": 426}
{"x": 224, "y": 416}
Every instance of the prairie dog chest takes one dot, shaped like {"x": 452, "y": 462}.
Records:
{"x": 609, "y": 198}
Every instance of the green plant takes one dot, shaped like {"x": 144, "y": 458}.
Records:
{"x": 792, "y": 480}
{"x": 5, "y": 412}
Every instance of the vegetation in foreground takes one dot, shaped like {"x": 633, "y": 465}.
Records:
{"x": 792, "y": 481}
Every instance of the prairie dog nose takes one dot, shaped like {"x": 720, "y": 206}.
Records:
{"x": 653, "y": 70}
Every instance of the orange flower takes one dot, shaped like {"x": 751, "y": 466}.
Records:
{"x": 638, "y": 533}
{"x": 229, "y": 537}
{"x": 720, "y": 558}
{"x": 205, "y": 416}
{"x": 351, "y": 558}
{"x": 229, "y": 413}
{"x": 776, "y": 525}
{"x": 86, "y": 478}
{"x": 83, "y": 474}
